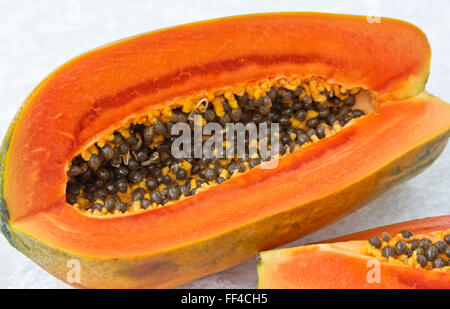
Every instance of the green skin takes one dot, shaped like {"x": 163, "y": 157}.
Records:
{"x": 189, "y": 262}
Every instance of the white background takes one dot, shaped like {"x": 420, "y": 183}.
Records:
{"x": 38, "y": 36}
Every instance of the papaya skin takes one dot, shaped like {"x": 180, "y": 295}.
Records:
{"x": 340, "y": 264}
{"x": 209, "y": 231}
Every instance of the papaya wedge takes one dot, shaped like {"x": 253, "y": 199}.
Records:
{"x": 353, "y": 262}
{"x": 87, "y": 173}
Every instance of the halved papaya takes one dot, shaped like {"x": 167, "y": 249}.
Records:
{"x": 413, "y": 254}
{"x": 88, "y": 171}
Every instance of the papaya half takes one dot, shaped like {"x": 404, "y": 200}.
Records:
{"x": 90, "y": 171}
{"x": 407, "y": 255}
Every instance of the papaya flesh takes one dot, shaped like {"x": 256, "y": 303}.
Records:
{"x": 131, "y": 84}
{"x": 418, "y": 257}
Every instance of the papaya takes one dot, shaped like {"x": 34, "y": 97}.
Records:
{"x": 407, "y": 255}
{"x": 117, "y": 159}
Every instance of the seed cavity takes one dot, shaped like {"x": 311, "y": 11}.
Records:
{"x": 430, "y": 252}
{"x": 133, "y": 168}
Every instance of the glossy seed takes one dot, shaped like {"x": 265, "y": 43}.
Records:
{"x": 121, "y": 206}
{"x": 386, "y": 236}
{"x": 406, "y": 234}
{"x": 422, "y": 260}
{"x": 431, "y": 253}
{"x": 441, "y": 245}
{"x": 438, "y": 263}
{"x": 387, "y": 251}
{"x": 400, "y": 247}
{"x": 375, "y": 241}
{"x": 425, "y": 243}
{"x": 145, "y": 203}
{"x": 156, "y": 197}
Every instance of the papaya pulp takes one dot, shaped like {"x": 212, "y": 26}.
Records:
{"x": 87, "y": 167}
{"x": 407, "y": 255}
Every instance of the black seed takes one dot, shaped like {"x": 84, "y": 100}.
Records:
{"x": 109, "y": 203}
{"x": 184, "y": 190}
{"x": 300, "y": 115}
{"x": 321, "y": 132}
{"x": 225, "y": 119}
{"x": 310, "y": 132}
{"x": 123, "y": 149}
{"x": 117, "y": 139}
{"x": 71, "y": 199}
{"x": 116, "y": 162}
{"x": 438, "y": 263}
{"x": 387, "y": 251}
{"x": 122, "y": 185}
{"x": 400, "y": 247}
{"x": 94, "y": 162}
{"x": 386, "y": 236}
{"x": 331, "y": 119}
{"x": 422, "y": 260}
{"x": 111, "y": 188}
{"x": 209, "y": 174}
{"x": 209, "y": 115}
{"x": 181, "y": 174}
{"x": 135, "y": 177}
{"x": 173, "y": 193}
{"x": 350, "y": 100}
{"x": 74, "y": 170}
{"x": 97, "y": 206}
{"x": 284, "y": 121}
{"x": 375, "y": 241}
{"x": 156, "y": 197}
{"x": 158, "y": 128}
{"x": 302, "y": 138}
{"x": 431, "y": 253}
{"x": 409, "y": 252}
{"x": 441, "y": 245}
{"x": 103, "y": 174}
{"x": 344, "y": 120}
{"x": 414, "y": 244}
{"x": 357, "y": 113}
{"x": 220, "y": 180}
{"x": 142, "y": 155}
{"x": 148, "y": 133}
{"x": 447, "y": 251}
{"x": 406, "y": 234}
{"x": 122, "y": 171}
{"x": 307, "y": 100}
{"x": 236, "y": 114}
{"x": 324, "y": 113}
{"x": 420, "y": 251}
{"x": 151, "y": 184}
{"x": 121, "y": 206}
{"x": 425, "y": 243}
{"x": 145, "y": 203}
{"x": 320, "y": 106}
{"x": 335, "y": 101}
{"x": 100, "y": 194}
{"x": 166, "y": 180}
{"x": 138, "y": 194}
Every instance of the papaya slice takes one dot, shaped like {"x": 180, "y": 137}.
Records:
{"x": 87, "y": 167}
{"x": 407, "y": 255}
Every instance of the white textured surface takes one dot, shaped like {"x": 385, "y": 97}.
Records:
{"x": 38, "y": 36}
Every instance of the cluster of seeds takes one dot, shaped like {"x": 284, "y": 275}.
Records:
{"x": 134, "y": 169}
{"x": 412, "y": 250}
